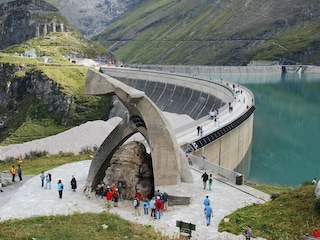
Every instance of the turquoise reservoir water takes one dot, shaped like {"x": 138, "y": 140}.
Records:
{"x": 286, "y": 141}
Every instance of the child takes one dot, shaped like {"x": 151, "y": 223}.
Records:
{"x": 145, "y": 206}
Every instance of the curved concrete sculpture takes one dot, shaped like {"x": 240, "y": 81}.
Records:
{"x": 170, "y": 167}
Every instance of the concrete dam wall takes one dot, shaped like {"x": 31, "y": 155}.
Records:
{"x": 195, "y": 97}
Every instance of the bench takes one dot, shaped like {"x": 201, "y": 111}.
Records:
{"x": 185, "y": 228}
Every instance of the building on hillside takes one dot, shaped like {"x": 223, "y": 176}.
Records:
{"x": 30, "y": 53}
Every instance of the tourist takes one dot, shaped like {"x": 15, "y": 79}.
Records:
{"x": 116, "y": 197}
{"x": 208, "y": 212}
{"x": 201, "y": 131}
{"x": 20, "y": 172}
{"x": 204, "y": 179}
{"x": 165, "y": 199}
{"x": 48, "y": 181}
{"x": 314, "y": 181}
{"x": 138, "y": 195}
{"x": 210, "y": 181}
{"x": 248, "y": 232}
{"x": 158, "y": 207}
{"x": 120, "y": 191}
{"x": 101, "y": 191}
{"x": 60, "y": 188}
{"x": 158, "y": 194}
{"x": 206, "y": 201}
{"x": 108, "y": 196}
{"x": 112, "y": 190}
{"x": 152, "y": 207}
{"x": 198, "y": 130}
{"x": 1, "y": 183}
{"x": 13, "y": 172}
{"x": 145, "y": 206}
{"x": 42, "y": 177}
{"x": 135, "y": 204}
{"x": 73, "y": 183}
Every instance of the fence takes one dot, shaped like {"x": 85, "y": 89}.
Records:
{"x": 219, "y": 171}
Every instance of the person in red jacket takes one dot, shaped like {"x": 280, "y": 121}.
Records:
{"x": 108, "y": 196}
{"x": 138, "y": 195}
{"x": 116, "y": 197}
{"x": 158, "y": 207}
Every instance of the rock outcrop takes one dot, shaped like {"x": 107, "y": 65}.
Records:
{"x": 22, "y": 83}
{"x": 131, "y": 165}
{"x": 25, "y": 19}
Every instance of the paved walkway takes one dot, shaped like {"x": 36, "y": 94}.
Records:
{"x": 27, "y": 199}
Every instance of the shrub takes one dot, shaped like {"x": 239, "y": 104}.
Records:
{"x": 35, "y": 154}
{"x": 9, "y": 159}
{"x": 307, "y": 182}
{"x": 275, "y": 195}
{"x": 88, "y": 150}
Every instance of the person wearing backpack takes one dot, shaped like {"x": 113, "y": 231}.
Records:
{"x": 136, "y": 203}
{"x": 158, "y": 207}
{"x": 145, "y": 206}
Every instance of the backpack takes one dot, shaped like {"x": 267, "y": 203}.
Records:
{"x": 136, "y": 202}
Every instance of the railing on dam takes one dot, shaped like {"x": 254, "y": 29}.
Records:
{"x": 218, "y": 171}
{"x": 207, "y": 139}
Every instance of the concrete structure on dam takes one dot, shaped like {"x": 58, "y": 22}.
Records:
{"x": 225, "y": 142}
{"x": 170, "y": 170}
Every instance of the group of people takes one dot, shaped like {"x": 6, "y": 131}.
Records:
{"x": 207, "y": 178}
{"x": 14, "y": 171}
{"x": 213, "y": 114}
{"x": 157, "y": 204}
{"x": 113, "y": 194}
{"x": 200, "y": 131}
{"x": 47, "y": 179}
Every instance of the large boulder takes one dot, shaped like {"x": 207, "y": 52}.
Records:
{"x": 131, "y": 165}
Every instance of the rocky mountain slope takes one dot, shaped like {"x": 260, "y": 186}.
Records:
{"x": 210, "y": 32}
{"x": 190, "y": 32}
{"x": 24, "y": 19}
{"x": 90, "y": 17}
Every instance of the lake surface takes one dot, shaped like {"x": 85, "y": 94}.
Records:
{"x": 286, "y": 139}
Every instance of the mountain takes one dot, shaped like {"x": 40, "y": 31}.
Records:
{"x": 39, "y": 98}
{"x": 25, "y": 19}
{"x": 41, "y": 84}
{"x": 92, "y": 17}
{"x": 207, "y": 32}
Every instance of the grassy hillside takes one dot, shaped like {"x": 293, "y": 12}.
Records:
{"x": 32, "y": 120}
{"x": 216, "y": 32}
{"x": 291, "y": 215}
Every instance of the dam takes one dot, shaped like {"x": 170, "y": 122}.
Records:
{"x": 284, "y": 147}
{"x": 225, "y": 142}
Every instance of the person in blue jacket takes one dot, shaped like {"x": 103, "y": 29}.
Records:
{"x": 60, "y": 188}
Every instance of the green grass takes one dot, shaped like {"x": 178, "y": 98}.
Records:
{"x": 77, "y": 227}
{"x": 289, "y": 216}
{"x": 34, "y": 166}
{"x": 32, "y": 120}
